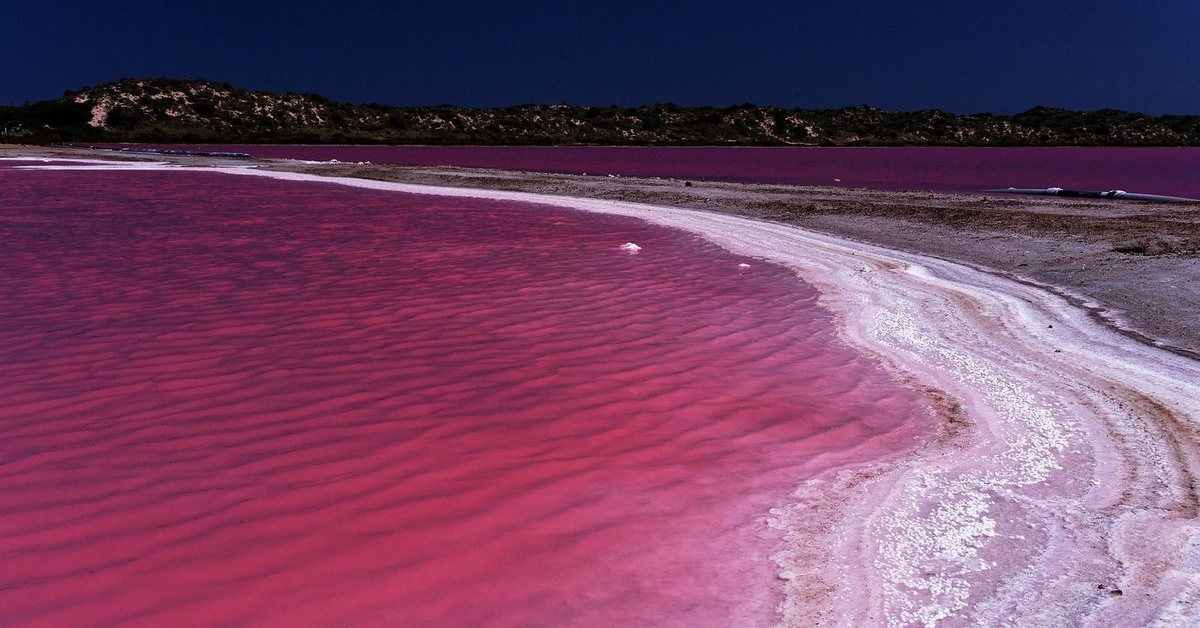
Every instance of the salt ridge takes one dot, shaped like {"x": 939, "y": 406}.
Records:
{"x": 1061, "y": 489}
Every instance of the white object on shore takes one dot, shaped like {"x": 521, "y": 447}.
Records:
{"x": 631, "y": 248}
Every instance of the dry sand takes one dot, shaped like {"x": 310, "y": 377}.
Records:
{"x": 1061, "y": 489}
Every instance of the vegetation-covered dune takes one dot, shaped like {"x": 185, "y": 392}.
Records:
{"x": 173, "y": 110}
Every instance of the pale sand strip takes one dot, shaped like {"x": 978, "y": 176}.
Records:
{"x": 1063, "y": 494}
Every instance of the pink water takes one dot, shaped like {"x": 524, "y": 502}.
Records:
{"x": 1171, "y": 171}
{"x": 226, "y": 400}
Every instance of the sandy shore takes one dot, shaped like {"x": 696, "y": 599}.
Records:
{"x": 1061, "y": 489}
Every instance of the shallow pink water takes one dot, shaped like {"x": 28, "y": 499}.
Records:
{"x": 233, "y": 400}
{"x": 1170, "y": 171}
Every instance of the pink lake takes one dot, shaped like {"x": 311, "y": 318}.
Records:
{"x": 232, "y": 400}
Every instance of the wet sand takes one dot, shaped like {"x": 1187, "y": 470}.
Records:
{"x": 1061, "y": 486}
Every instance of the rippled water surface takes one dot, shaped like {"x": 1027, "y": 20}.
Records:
{"x": 235, "y": 400}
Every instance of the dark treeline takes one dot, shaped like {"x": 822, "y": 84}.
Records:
{"x": 195, "y": 111}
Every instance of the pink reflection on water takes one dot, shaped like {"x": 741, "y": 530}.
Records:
{"x": 226, "y": 400}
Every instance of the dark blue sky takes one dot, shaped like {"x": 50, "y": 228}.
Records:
{"x": 965, "y": 56}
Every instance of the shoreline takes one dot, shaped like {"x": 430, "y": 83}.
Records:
{"x": 1061, "y": 488}
{"x": 1115, "y": 259}
{"x": 977, "y": 523}
{"x": 1130, "y": 264}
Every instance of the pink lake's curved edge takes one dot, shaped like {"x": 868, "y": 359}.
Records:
{"x": 1061, "y": 491}
{"x": 1068, "y": 495}
{"x": 404, "y": 401}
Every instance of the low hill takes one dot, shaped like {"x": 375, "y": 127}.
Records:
{"x": 191, "y": 111}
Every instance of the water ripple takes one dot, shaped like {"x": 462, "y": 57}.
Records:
{"x": 232, "y": 401}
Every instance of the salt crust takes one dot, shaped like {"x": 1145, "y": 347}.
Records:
{"x": 1065, "y": 494}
